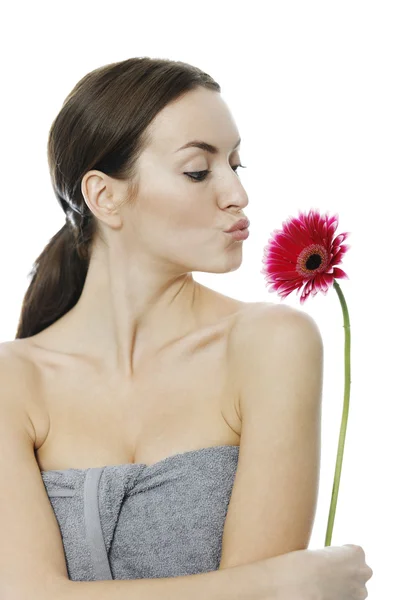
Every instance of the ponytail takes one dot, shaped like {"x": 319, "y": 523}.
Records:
{"x": 57, "y": 279}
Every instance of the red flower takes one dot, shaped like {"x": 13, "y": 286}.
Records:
{"x": 304, "y": 253}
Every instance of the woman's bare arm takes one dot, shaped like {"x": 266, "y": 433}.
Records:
{"x": 236, "y": 583}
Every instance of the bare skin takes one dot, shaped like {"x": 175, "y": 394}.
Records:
{"x": 138, "y": 370}
{"x": 181, "y": 399}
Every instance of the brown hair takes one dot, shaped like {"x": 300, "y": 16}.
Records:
{"x": 102, "y": 125}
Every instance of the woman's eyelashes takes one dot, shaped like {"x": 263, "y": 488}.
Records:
{"x": 201, "y": 175}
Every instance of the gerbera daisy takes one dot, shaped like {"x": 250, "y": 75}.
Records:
{"x": 304, "y": 253}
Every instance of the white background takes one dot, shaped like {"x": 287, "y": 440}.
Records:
{"x": 314, "y": 89}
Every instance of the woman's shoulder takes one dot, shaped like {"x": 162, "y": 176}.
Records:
{"x": 15, "y": 376}
{"x": 19, "y": 383}
{"x": 250, "y": 313}
{"x": 13, "y": 357}
{"x": 256, "y": 323}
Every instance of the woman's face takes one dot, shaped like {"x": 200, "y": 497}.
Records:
{"x": 176, "y": 220}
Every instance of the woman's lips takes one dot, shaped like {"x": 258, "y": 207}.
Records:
{"x": 240, "y": 234}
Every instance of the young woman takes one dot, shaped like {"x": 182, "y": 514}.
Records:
{"x": 130, "y": 388}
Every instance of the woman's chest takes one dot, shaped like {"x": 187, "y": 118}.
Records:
{"x": 183, "y": 399}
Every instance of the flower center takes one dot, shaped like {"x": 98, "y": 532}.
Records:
{"x": 311, "y": 260}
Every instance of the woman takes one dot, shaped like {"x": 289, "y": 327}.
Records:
{"x": 133, "y": 386}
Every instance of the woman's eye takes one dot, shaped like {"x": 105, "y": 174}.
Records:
{"x": 201, "y": 175}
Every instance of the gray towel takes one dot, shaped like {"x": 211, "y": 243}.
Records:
{"x": 135, "y": 521}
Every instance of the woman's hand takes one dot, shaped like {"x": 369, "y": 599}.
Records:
{"x": 332, "y": 573}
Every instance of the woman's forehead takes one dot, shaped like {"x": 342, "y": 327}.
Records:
{"x": 193, "y": 117}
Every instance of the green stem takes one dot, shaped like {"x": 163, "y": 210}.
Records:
{"x": 342, "y": 436}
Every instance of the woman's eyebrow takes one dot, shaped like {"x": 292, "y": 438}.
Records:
{"x": 205, "y": 146}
